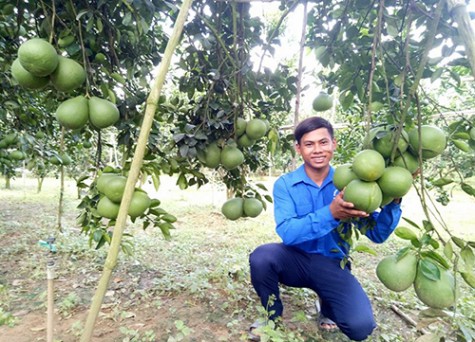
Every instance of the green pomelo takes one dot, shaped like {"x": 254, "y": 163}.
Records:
{"x": 213, "y": 155}
{"x": 433, "y": 141}
{"x": 343, "y": 176}
{"x": 252, "y": 207}
{"x": 3, "y": 143}
{"x": 438, "y": 294}
{"x": 108, "y": 209}
{"x": 17, "y": 155}
{"x": 395, "y": 181}
{"x": 114, "y": 189}
{"x": 368, "y": 165}
{"x": 38, "y": 57}
{"x": 245, "y": 141}
{"x": 386, "y": 200}
{"x": 68, "y": 76}
{"x": 384, "y": 145}
{"x": 322, "y": 102}
{"x": 256, "y": 129}
{"x": 233, "y": 209}
{"x": 101, "y": 183}
{"x": 240, "y": 126}
{"x": 407, "y": 161}
{"x": 366, "y": 196}
{"x": 66, "y": 159}
{"x": 139, "y": 204}
{"x": 11, "y": 138}
{"x": 27, "y": 79}
{"x": 397, "y": 275}
{"x": 231, "y": 157}
{"x": 73, "y": 113}
{"x": 102, "y": 113}
{"x": 55, "y": 160}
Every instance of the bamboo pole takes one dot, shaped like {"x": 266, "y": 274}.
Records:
{"x": 151, "y": 107}
{"x": 458, "y": 10}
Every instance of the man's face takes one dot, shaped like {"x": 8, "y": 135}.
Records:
{"x": 316, "y": 148}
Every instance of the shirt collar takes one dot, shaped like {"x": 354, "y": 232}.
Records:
{"x": 299, "y": 175}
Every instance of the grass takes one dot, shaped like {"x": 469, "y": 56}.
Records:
{"x": 195, "y": 287}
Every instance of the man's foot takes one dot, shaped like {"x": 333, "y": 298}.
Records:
{"x": 324, "y": 323}
{"x": 252, "y": 334}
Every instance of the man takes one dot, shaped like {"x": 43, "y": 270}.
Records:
{"x": 308, "y": 209}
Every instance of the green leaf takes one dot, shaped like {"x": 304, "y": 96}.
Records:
{"x": 442, "y": 181}
{"x": 448, "y": 250}
{"x": 461, "y": 145}
{"x": 458, "y": 241}
{"x": 412, "y": 223}
{"x": 428, "y": 226}
{"x": 365, "y": 249}
{"x": 436, "y": 257}
{"x": 468, "y": 257}
{"x": 468, "y": 189}
{"x": 405, "y": 233}
{"x": 469, "y": 278}
{"x": 429, "y": 269}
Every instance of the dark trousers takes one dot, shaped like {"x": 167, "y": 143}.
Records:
{"x": 343, "y": 299}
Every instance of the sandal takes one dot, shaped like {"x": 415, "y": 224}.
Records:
{"x": 324, "y": 323}
{"x": 254, "y": 336}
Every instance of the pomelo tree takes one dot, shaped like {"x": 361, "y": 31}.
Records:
{"x": 376, "y": 60}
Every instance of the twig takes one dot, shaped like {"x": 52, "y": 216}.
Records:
{"x": 408, "y": 319}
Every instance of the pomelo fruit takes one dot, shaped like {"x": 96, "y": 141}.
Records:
{"x": 384, "y": 144}
{"x": 245, "y": 141}
{"x": 433, "y": 141}
{"x": 408, "y": 161}
{"x": 395, "y": 181}
{"x": 438, "y": 294}
{"x": 114, "y": 189}
{"x": 386, "y": 200}
{"x": 231, "y": 157}
{"x": 27, "y": 79}
{"x": 256, "y": 129}
{"x": 241, "y": 124}
{"x": 66, "y": 159}
{"x": 397, "y": 275}
{"x": 68, "y": 76}
{"x": 38, "y": 57}
{"x": 252, "y": 207}
{"x": 322, "y": 102}
{"x": 55, "y": 160}
{"x": 212, "y": 155}
{"x": 73, "y": 113}
{"x": 102, "y": 113}
{"x": 102, "y": 180}
{"x": 366, "y": 196}
{"x": 368, "y": 165}
{"x": 233, "y": 209}
{"x": 108, "y": 209}
{"x": 16, "y": 155}
{"x": 343, "y": 175}
{"x": 139, "y": 204}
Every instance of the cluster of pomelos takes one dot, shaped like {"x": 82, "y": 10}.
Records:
{"x": 372, "y": 180}
{"x": 230, "y": 156}
{"x": 238, "y": 207}
{"x": 38, "y": 64}
{"x": 111, "y": 188}
{"x": 8, "y": 147}
{"x": 433, "y": 284}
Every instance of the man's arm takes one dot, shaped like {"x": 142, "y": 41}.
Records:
{"x": 386, "y": 221}
{"x": 296, "y": 227}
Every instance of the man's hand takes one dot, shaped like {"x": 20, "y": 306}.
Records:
{"x": 344, "y": 210}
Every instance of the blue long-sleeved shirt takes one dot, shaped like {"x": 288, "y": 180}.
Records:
{"x": 303, "y": 217}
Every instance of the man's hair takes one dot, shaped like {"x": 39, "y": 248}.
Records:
{"x": 311, "y": 124}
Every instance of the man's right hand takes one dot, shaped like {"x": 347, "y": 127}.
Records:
{"x": 341, "y": 209}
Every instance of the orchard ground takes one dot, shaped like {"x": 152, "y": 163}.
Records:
{"x": 195, "y": 287}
